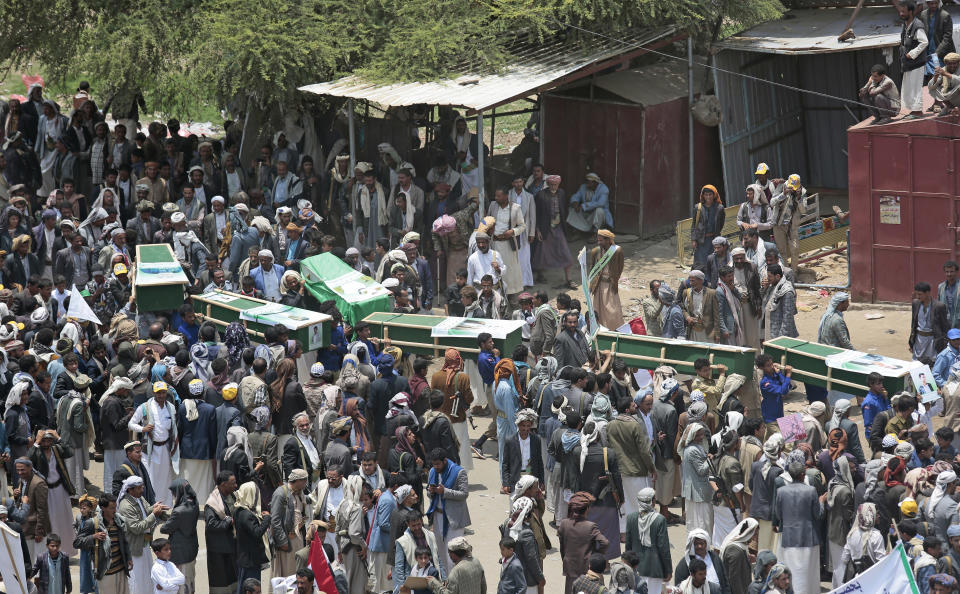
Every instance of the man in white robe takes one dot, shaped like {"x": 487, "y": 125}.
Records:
{"x": 522, "y": 198}
{"x": 155, "y": 418}
{"x": 507, "y": 232}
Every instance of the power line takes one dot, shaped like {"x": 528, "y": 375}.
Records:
{"x": 730, "y": 72}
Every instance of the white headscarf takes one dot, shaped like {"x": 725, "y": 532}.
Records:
{"x": 771, "y": 453}
{"x": 944, "y": 479}
{"x": 16, "y": 392}
{"x": 118, "y": 383}
{"x": 237, "y": 440}
{"x": 839, "y": 410}
{"x": 741, "y": 535}
{"x": 585, "y": 440}
{"x": 647, "y": 514}
{"x": 518, "y": 514}
{"x": 836, "y": 300}
{"x": 131, "y": 481}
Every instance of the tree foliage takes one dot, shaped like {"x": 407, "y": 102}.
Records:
{"x": 225, "y": 50}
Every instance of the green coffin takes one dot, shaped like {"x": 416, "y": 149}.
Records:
{"x": 222, "y": 308}
{"x": 160, "y": 281}
{"x": 411, "y": 332}
{"x": 808, "y": 360}
{"x": 649, "y": 352}
{"x": 357, "y": 296}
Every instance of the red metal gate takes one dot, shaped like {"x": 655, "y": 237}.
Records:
{"x": 904, "y": 206}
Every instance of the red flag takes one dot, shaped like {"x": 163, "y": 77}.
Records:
{"x": 321, "y": 569}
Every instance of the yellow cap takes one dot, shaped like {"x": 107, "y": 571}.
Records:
{"x": 159, "y": 386}
{"x": 762, "y": 169}
{"x": 793, "y": 182}
{"x": 908, "y": 507}
{"x": 229, "y": 391}
{"x": 120, "y": 268}
{"x": 20, "y": 325}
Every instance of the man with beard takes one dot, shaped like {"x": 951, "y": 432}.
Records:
{"x": 665, "y": 419}
{"x": 944, "y": 84}
{"x": 731, "y": 309}
{"x": 719, "y": 258}
{"x": 746, "y": 282}
{"x": 508, "y": 230}
{"x": 779, "y": 305}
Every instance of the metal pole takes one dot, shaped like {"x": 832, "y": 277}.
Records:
{"x": 353, "y": 170}
{"x": 481, "y": 211}
{"x": 690, "y": 118}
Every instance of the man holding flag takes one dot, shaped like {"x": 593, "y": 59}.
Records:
{"x": 892, "y": 574}
{"x": 606, "y": 266}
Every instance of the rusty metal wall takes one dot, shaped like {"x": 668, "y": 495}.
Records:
{"x": 904, "y": 206}
{"x": 640, "y": 153}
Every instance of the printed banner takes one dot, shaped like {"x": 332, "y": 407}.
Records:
{"x": 354, "y": 287}
{"x": 160, "y": 273}
{"x": 273, "y": 314}
{"x": 585, "y": 285}
{"x": 890, "y": 575}
{"x": 15, "y": 578}
{"x": 868, "y": 362}
{"x": 473, "y": 327}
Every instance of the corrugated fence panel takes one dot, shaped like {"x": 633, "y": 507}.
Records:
{"x": 762, "y": 122}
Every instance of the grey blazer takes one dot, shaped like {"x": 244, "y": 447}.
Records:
{"x": 512, "y": 579}
{"x": 796, "y": 513}
{"x": 282, "y": 516}
{"x": 696, "y": 475}
{"x": 455, "y": 502}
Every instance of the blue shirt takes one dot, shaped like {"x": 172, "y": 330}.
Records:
{"x": 372, "y": 351}
{"x": 292, "y": 246}
{"x": 872, "y": 404}
{"x": 772, "y": 390}
{"x": 191, "y": 332}
{"x": 332, "y": 359}
{"x": 486, "y": 361}
{"x": 941, "y": 367}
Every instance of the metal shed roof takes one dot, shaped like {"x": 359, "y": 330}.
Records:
{"x": 534, "y": 67}
{"x": 815, "y": 31}
{"x": 654, "y": 84}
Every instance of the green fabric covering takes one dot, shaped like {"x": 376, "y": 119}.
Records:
{"x": 316, "y": 270}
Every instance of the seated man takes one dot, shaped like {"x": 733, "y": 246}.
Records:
{"x": 881, "y": 92}
{"x": 590, "y": 206}
{"x": 944, "y": 84}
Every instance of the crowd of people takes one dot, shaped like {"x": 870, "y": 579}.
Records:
{"x": 348, "y": 468}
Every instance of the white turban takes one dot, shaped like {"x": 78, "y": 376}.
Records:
{"x": 218, "y": 199}
{"x": 178, "y": 217}
{"x": 265, "y": 254}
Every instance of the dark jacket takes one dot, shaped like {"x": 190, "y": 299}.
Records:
{"x": 113, "y": 423}
{"x": 198, "y": 438}
{"x": 182, "y": 529}
{"x": 228, "y": 415}
{"x": 378, "y": 399}
{"x": 124, "y": 472}
{"x": 510, "y": 469}
{"x": 38, "y": 412}
{"x": 942, "y": 32}
{"x": 41, "y": 573}
{"x": 939, "y": 321}
{"x": 295, "y": 456}
{"x": 13, "y": 272}
{"x": 655, "y": 559}
{"x": 682, "y": 572}
{"x": 40, "y": 464}
{"x": 250, "y": 530}
{"x": 63, "y": 263}
{"x": 101, "y": 561}
{"x": 439, "y": 434}
{"x": 219, "y": 533}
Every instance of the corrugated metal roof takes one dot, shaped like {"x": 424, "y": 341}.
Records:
{"x": 534, "y": 67}
{"x": 813, "y": 31}
{"x": 654, "y": 84}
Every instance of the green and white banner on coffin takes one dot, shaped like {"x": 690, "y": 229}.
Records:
{"x": 890, "y": 575}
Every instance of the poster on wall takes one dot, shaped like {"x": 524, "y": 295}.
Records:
{"x": 890, "y": 210}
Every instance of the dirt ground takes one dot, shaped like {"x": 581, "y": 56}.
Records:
{"x": 645, "y": 260}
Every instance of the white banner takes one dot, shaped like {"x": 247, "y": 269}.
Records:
{"x": 891, "y": 575}
{"x": 15, "y": 579}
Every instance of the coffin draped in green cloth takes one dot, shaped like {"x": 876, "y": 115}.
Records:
{"x": 357, "y": 296}
{"x": 649, "y": 352}
{"x": 809, "y": 362}
{"x": 312, "y": 329}
{"x": 412, "y": 334}
{"x": 160, "y": 280}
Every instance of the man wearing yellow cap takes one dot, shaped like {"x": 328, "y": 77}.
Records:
{"x": 156, "y": 419}
{"x": 605, "y": 267}
{"x": 770, "y": 186}
{"x": 788, "y": 206}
